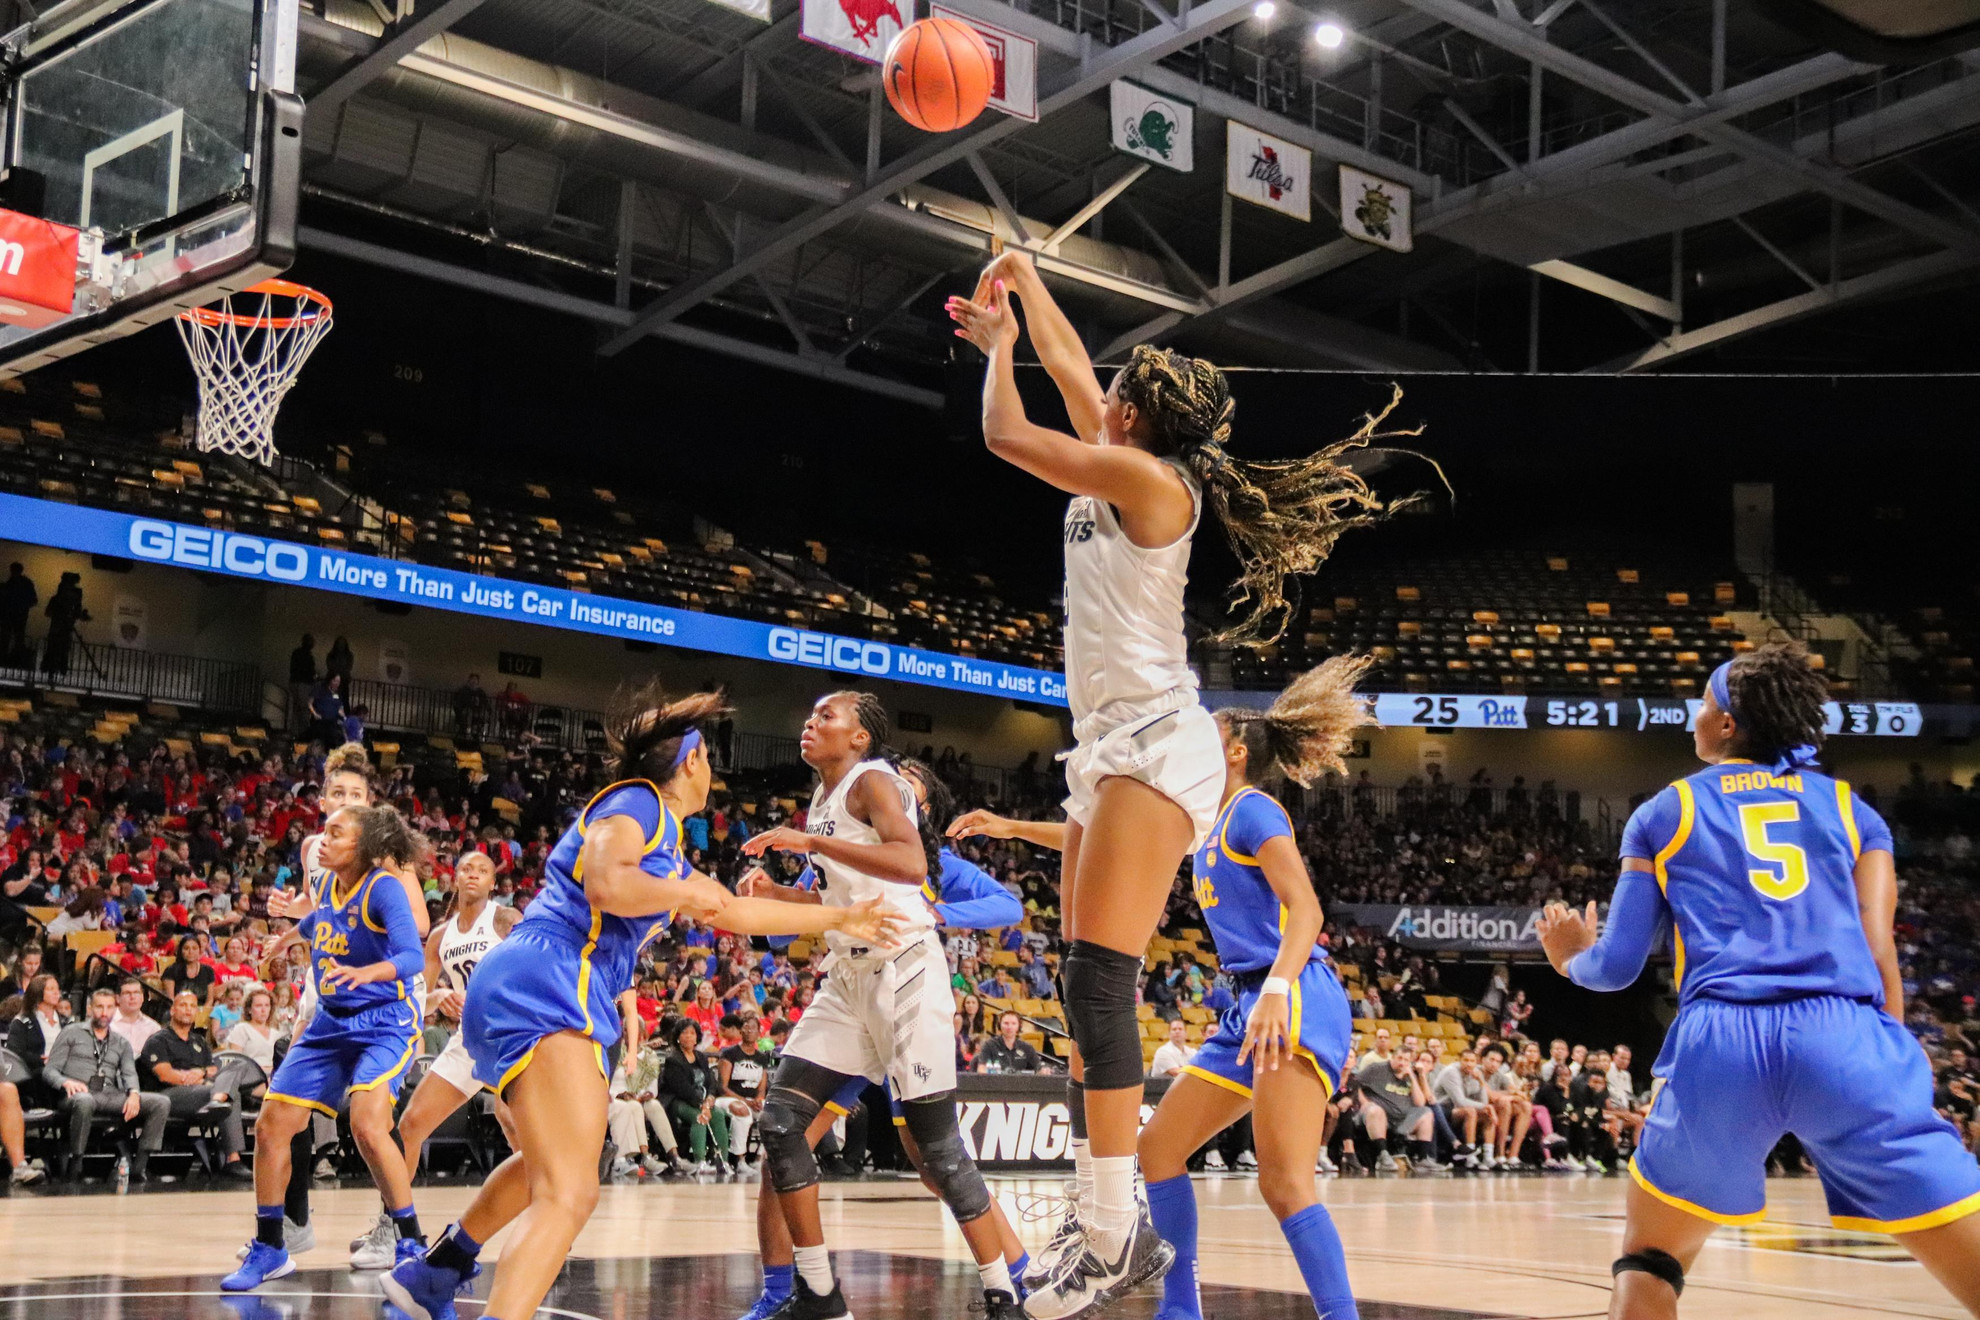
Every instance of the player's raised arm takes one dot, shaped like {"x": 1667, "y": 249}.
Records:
{"x": 616, "y": 883}
{"x": 1059, "y": 348}
{"x": 899, "y": 856}
{"x": 1612, "y": 958}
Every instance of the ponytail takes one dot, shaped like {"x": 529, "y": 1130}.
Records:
{"x": 644, "y": 733}
{"x": 1309, "y": 727}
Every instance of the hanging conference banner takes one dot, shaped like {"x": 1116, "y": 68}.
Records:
{"x": 1152, "y": 126}
{"x": 1376, "y": 210}
{"x": 862, "y": 29}
{"x": 1013, "y": 65}
{"x": 1268, "y": 171}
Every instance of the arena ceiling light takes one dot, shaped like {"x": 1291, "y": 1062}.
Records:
{"x": 1329, "y": 35}
{"x": 1263, "y": 10}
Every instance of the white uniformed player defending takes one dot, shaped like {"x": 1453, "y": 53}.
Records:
{"x": 463, "y": 939}
{"x": 1147, "y": 775}
{"x": 883, "y": 1014}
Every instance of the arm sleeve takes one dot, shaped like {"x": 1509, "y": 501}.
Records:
{"x": 1871, "y": 828}
{"x": 1652, "y": 826}
{"x": 1637, "y": 916}
{"x": 1257, "y": 820}
{"x": 973, "y": 900}
{"x": 387, "y": 898}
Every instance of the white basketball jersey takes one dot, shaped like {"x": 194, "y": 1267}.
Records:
{"x": 461, "y": 949}
{"x": 831, "y": 817}
{"x": 1126, "y": 653}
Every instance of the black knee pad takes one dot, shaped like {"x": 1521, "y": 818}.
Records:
{"x": 1659, "y": 1263}
{"x": 943, "y": 1157}
{"x": 781, "y": 1128}
{"x": 1100, "y": 1005}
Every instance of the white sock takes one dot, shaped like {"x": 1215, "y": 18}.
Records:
{"x": 996, "y": 1276}
{"x": 814, "y": 1266}
{"x": 1083, "y": 1178}
{"x": 1113, "y": 1199}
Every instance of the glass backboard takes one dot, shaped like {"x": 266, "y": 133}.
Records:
{"x": 169, "y": 133}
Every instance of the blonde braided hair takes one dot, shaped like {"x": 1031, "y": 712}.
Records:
{"x": 1309, "y": 727}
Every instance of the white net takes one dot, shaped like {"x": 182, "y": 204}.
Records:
{"x": 248, "y": 350}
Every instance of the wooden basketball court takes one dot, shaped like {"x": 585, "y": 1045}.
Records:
{"x": 1418, "y": 1249}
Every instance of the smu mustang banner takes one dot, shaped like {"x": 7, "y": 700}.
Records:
{"x": 236, "y": 554}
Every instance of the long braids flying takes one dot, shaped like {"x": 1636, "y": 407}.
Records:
{"x": 871, "y": 713}
{"x": 1307, "y": 730}
{"x": 1282, "y": 517}
{"x": 1780, "y": 699}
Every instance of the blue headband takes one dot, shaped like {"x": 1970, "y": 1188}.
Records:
{"x": 689, "y": 741}
{"x": 1720, "y": 686}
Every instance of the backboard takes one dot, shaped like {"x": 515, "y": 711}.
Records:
{"x": 169, "y": 133}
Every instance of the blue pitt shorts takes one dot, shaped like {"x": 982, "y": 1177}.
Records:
{"x": 369, "y": 1049}
{"x": 526, "y": 989}
{"x": 855, "y": 1087}
{"x": 1320, "y": 1029}
{"x": 1849, "y": 1081}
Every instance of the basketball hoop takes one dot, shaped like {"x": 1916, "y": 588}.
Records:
{"x": 247, "y": 360}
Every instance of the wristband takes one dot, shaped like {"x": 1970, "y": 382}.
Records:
{"x": 1276, "y": 985}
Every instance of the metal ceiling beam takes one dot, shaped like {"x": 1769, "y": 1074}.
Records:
{"x": 1890, "y": 279}
{"x": 1566, "y": 170}
{"x": 399, "y": 41}
{"x": 815, "y": 366}
{"x": 1077, "y": 220}
{"x": 1526, "y": 44}
{"x": 1614, "y": 290}
{"x": 1201, "y": 21}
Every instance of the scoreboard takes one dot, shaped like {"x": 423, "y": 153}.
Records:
{"x": 1883, "y": 719}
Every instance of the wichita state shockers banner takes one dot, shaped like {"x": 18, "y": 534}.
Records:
{"x": 862, "y": 29}
{"x": 1268, "y": 171}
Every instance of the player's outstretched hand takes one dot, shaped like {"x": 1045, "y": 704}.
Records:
{"x": 783, "y": 839}
{"x": 1011, "y": 266}
{"x": 1268, "y": 1035}
{"x": 981, "y": 824}
{"x": 756, "y": 883}
{"x": 338, "y": 975}
{"x": 704, "y": 899}
{"x": 1565, "y": 932}
{"x": 989, "y": 325}
{"x": 291, "y": 903}
{"x": 871, "y": 922}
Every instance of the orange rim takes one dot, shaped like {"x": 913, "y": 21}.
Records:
{"x": 302, "y": 293}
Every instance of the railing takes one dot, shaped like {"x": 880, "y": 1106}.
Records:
{"x": 404, "y": 708}
{"x": 110, "y": 671}
{"x": 1348, "y": 800}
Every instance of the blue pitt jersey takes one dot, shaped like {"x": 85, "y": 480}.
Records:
{"x": 609, "y": 945}
{"x": 371, "y": 924}
{"x": 1245, "y": 916}
{"x": 1758, "y": 873}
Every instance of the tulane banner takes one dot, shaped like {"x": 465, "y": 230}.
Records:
{"x": 1432, "y": 927}
{"x": 284, "y": 563}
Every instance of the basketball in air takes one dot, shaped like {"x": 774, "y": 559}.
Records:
{"x": 938, "y": 74}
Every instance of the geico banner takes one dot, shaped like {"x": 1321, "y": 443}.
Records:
{"x": 1020, "y": 1122}
{"x": 238, "y": 555}
{"x": 1430, "y": 926}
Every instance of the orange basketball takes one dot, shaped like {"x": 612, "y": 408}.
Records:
{"x": 938, "y": 73}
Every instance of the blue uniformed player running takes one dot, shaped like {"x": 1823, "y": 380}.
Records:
{"x": 541, "y": 1007}
{"x": 965, "y": 898}
{"x": 364, "y": 955}
{"x": 1778, "y": 887}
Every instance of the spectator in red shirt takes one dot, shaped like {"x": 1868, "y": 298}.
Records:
{"x": 234, "y": 963}
{"x": 705, "y": 1012}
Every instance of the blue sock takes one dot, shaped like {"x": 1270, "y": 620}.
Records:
{"x": 777, "y": 1281}
{"x": 454, "y": 1251}
{"x": 268, "y": 1225}
{"x": 1316, "y": 1246}
{"x": 1021, "y": 1264}
{"x": 1172, "y": 1206}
